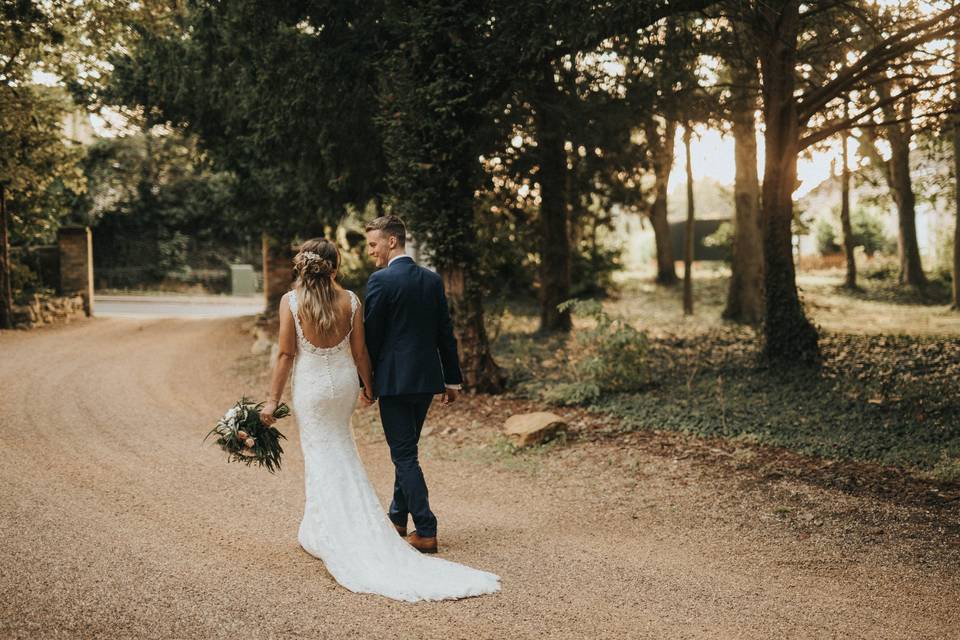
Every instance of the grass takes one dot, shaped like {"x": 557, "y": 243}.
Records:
{"x": 889, "y": 390}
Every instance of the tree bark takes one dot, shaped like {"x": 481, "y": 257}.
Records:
{"x": 6, "y": 288}
{"x": 956, "y": 223}
{"x": 898, "y": 177}
{"x": 688, "y": 234}
{"x": 789, "y": 338}
{"x": 956, "y": 177}
{"x": 850, "y": 282}
{"x": 911, "y": 269}
{"x": 480, "y": 372}
{"x": 662, "y": 160}
{"x": 554, "y": 235}
{"x": 745, "y": 296}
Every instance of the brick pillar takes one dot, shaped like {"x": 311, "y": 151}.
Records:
{"x": 76, "y": 264}
{"x": 277, "y": 271}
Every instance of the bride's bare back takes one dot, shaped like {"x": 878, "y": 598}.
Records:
{"x": 340, "y": 328}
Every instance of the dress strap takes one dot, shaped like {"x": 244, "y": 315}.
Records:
{"x": 294, "y": 308}
{"x": 354, "y": 303}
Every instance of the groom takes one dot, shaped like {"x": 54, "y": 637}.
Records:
{"x": 414, "y": 354}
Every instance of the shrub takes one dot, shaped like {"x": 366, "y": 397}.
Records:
{"x": 868, "y": 233}
{"x": 723, "y": 238}
{"x": 610, "y": 357}
{"x": 826, "y": 238}
{"x": 592, "y": 268}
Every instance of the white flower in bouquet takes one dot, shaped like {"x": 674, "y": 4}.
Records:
{"x": 233, "y": 416}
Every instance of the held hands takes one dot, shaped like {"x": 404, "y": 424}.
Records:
{"x": 266, "y": 413}
{"x": 450, "y": 395}
{"x": 366, "y": 400}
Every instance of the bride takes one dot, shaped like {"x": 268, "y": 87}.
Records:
{"x": 322, "y": 340}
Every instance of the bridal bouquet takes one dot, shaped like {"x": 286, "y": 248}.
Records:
{"x": 246, "y": 439}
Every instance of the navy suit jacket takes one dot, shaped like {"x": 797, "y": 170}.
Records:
{"x": 408, "y": 331}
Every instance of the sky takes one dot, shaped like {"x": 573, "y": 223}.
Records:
{"x": 712, "y": 156}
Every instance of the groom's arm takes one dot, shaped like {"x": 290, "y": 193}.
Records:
{"x": 447, "y": 344}
{"x": 374, "y": 317}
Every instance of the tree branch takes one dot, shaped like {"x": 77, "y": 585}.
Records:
{"x": 9, "y": 63}
{"x": 823, "y": 134}
{"x": 875, "y": 58}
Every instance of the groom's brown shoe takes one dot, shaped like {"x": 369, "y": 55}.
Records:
{"x": 421, "y": 544}
{"x": 402, "y": 530}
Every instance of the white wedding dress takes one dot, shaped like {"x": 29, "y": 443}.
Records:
{"x": 343, "y": 522}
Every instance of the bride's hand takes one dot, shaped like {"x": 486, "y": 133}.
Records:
{"x": 364, "y": 399}
{"x": 266, "y": 413}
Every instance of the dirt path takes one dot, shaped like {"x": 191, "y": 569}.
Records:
{"x": 116, "y": 523}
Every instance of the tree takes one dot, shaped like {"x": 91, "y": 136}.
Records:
{"x": 554, "y": 220}
{"x": 6, "y": 289}
{"x": 38, "y": 167}
{"x": 896, "y": 171}
{"x": 549, "y": 37}
{"x": 955, "y": 289}
{"x": 745, "y": 293}
{"x": 660, "y": 139}
{"x": 850, "y": 279}
{"x": 688, "y": 233}
{"x": 280, "y": 95}
{"x": 435, "y": 121}
{"x": 660, "y": 85}
{"x": 789, "y": 337}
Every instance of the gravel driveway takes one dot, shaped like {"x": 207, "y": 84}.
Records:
{"x": 117, "y": 523}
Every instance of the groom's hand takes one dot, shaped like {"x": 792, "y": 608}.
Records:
{"x": 450, "y": 395}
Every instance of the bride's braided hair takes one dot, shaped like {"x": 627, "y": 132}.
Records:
{"x": 314, "y": 266}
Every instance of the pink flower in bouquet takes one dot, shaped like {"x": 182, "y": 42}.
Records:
{"x": 243, "y": 435}
{"x": 250, "y": 442}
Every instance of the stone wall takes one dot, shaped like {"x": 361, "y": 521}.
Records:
{"x": 48, "y": 310}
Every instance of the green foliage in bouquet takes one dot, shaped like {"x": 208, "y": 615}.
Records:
{"x": 246, "y": 439}
{"x": 610, "y": 357}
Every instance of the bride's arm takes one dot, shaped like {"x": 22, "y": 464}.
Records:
{"x": 358, "y": 346}
{"x": 287, "y": 342}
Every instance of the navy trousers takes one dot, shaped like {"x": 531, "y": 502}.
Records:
{"x": 402, "y": 417}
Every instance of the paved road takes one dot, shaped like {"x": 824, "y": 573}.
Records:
{"x": 116, "y": 523}
{"x": 123, "y": 306}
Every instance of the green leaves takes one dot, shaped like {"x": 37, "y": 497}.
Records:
{"x": 610, "y": 356}
{"x": 279, "y": 94}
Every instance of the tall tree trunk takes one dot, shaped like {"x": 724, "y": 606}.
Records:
{"x": 911, "y": 269}
{"x": 956, "y": 223}
{"x": 745, "y": 296}
{"x": 899, "y": 135}
{"x": 688, "y": 234}
{"x": 789, "y": 338}
{"x": 480, "y": 372}
{"x": 850, "y": 282}
{"x": 956, "y": 175}
{"x": 554, "y": 236}
{"x": 896, "y": 172}
{"x": 6, "y": 288}
{"x": 662, "y": 160}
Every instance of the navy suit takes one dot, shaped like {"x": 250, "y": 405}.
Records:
{"x": 414, "y": 354}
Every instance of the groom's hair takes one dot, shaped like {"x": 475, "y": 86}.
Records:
{"x": 391, "y": 226}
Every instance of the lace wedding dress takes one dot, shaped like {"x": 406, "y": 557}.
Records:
{"x": 343, "y": 522}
